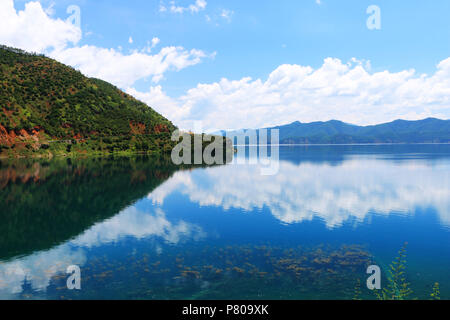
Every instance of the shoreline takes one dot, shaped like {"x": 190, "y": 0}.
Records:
{"x": 342, "y": 144}
{"x": 80, "y": 155}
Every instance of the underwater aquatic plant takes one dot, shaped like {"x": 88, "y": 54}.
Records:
{"x": 398, "y": 287}
{"x": 436, "y": 294}
{"x": 358, "y": 293}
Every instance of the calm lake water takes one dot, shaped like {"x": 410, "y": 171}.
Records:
{"x": 142, "y": 229}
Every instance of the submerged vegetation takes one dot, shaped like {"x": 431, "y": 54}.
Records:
{"x": 436, "y": 294}
{"x": 358, "y": 293}
{"x": 398, "y": 287}
{"x": 199, "y": 271}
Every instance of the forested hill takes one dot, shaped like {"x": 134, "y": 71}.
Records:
{"x": 336, "y": 132}
{"x": 46, "y": 106}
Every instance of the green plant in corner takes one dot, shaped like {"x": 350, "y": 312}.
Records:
{"x": 398, "y": 287}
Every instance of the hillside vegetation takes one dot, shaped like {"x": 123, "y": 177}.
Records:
{"x": 47, "y": 107}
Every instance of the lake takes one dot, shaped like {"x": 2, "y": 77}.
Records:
{"x": 141, "y": 228}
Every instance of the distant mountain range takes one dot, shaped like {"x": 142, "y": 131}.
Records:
{"x": 429, "y": 130}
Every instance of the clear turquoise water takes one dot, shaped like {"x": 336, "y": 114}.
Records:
{"x": 142, "y": 229}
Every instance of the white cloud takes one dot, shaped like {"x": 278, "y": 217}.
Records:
{"x": 162, "y": 7}
{"x": 227, "y": 14}
{"x": 124, "y": 70}
{"x": 337, "y": 90}
{"x": 219, "y": 17}
{"x": 155, "y": 42}
{"x": 34, "y": 30}
{"x": 157, "y": 98}
{"x": 195, "y": 7}
{"x": 50, "y": 9}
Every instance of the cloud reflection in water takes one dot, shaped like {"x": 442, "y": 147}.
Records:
{"x": 335, "y": 194}
{"x": 39, "y": 268}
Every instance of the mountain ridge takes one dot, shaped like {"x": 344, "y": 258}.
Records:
{"x": 429, "y": 130}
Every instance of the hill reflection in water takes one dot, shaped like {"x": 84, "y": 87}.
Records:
{"x": 142, "y": 228}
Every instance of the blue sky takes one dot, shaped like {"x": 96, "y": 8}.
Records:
{"x": 249, "y": 39}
